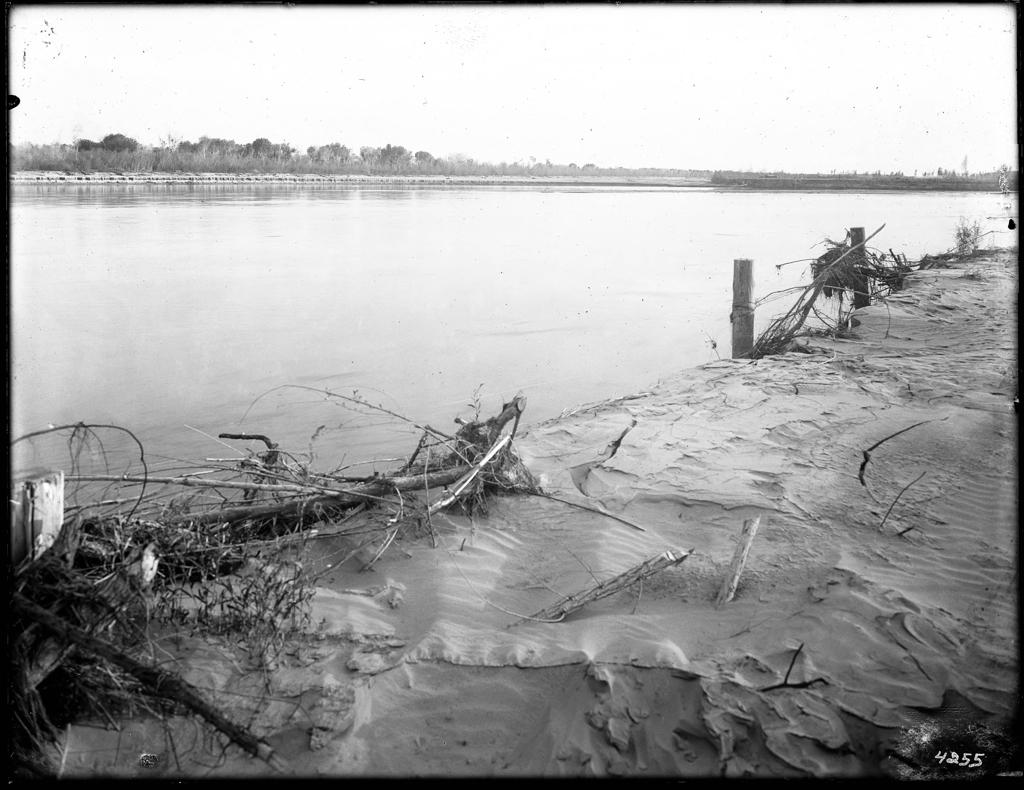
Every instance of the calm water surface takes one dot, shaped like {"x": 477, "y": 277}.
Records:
{"x": 158, "y": 308}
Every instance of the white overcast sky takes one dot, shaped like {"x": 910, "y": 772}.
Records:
{"x": 774, "y": 87}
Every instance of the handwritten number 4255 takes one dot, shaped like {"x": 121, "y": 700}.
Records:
{"x": 964, "y": 760}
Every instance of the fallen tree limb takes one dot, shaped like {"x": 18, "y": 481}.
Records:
{"x": 369, "y": 491}
{"x": 156, "y": 681}
{"x": 194, "y": 482}
{"x": 467, "y": 478}
{"x": 571, "y": 603}
{"x": 485, "y": 434}
{"x": 97, "y": 606}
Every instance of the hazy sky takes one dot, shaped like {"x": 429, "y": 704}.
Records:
{"x": 813, "y": 88}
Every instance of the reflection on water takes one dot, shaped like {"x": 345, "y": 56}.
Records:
{"x": 160, "y": 306}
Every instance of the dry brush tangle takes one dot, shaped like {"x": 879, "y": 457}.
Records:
{"x": 136, "y": 549}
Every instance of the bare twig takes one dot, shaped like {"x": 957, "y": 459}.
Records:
{"x": 586, "y": 567}
{"x": 792, "y": 663}
{"x": 384, "y": 547}
{"x": 785, "y": 681}
{"x": 211, "y": 436}
{"x": 81, "y": 426}
{"x": 897, "y": 499}
{"x": 351, "y": 399}
{"x": 581, "y": 506}
{"x": 639, "y": 596}
{"x": 798, "y": 260}
{"x": 867, "y": 453}
{"x": 416, "y": 452}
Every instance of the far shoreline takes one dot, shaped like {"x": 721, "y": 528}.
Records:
{"x": 67, "y": 178}
{"x": 314, "y": 179}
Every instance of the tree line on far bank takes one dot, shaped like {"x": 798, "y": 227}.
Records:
{"x": 119, "y": 153}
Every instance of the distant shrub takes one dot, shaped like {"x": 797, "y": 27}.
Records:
{"x": 118, "y": 142}
{"x": 968, "y": 237}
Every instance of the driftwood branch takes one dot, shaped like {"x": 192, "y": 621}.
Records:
{"x": 512, "y": 410}
{"x": 467, "y": 478}
{"x": 317, "y": 496}
{"x": 571, "y": 603}
{"x": 188, "y": 481}
{"x": 156, "y": 681}
{"x": 460, "y": 476}
{"x": 484, "y": 434}
{"x": 739, "y": 559}
{"x": 257, "y": 437}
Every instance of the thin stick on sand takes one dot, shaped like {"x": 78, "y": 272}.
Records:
{"x": 739, "y": 559}
{"x": 571, "y": 603}
{"x": 897, "y": 499}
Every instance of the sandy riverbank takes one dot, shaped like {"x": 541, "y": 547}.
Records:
{"x": 429, "y": 671}
{"x": 309, "y": 179}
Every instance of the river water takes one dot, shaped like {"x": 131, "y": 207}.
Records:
{"x": 182, "y": 311}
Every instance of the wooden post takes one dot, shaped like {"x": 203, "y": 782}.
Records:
{"x": 861, "y": 297}
{"x": 739, "y": 559}
{"x": 742, "y": 316}
{"x": 37, "y": 513}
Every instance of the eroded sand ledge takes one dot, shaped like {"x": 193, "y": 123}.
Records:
{"x": 429, "y": 677}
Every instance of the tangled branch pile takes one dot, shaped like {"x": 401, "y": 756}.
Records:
{"x": 843, "y": 269}
{"x": 203, "y": 551}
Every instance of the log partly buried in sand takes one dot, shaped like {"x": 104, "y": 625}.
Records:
{"x": 571, "y": 603}
{"x": 156, "y": 681}
{"x": 739, "y": 559}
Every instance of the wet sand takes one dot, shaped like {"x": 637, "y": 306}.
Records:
{"x": 432, "y": 672}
